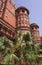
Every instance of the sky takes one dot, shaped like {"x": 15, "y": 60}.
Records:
{"x": 35, "y": 9}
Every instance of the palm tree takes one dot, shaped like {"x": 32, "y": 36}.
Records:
{"x": 7, "y": 49}
{"x": 22, "y": 52}
{"x": 31, "y": 54}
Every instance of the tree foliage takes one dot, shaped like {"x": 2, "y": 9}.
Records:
{"x": 21, "y": 50}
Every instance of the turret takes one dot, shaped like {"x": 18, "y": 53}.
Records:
{"x": 22, "y": 19}
{"x": 35, "y": 31}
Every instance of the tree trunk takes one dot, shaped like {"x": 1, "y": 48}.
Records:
{"x": 28, "y": 63}
{"x": 23, "y": 62}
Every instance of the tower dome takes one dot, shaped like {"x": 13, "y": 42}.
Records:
{"x": 34, "y": 25}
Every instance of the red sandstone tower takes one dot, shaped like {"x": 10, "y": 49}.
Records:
{"x": 35, "y": 31}
{"x": 7, "y": 18}
{"x": 7, "y": 11}
{"x": 22, "y": 19}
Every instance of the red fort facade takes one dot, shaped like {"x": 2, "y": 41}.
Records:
{"x": 13, "y": 19}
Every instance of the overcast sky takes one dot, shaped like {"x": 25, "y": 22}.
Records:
{"x": 35, "y": 8}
